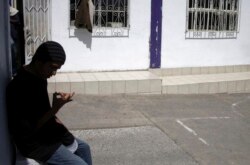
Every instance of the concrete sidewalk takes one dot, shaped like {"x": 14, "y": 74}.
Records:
{"x": 162, "y": 129}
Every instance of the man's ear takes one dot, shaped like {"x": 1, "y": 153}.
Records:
{"x": 39, "y": 65}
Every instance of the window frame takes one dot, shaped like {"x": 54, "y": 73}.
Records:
{"x": 105, "y": 31}
{"x": 213, "y": 30}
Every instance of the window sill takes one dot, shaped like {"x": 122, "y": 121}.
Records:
{"x": 211, "y": 34}
{"x": 104, "y": 31}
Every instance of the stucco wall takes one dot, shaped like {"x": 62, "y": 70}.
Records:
{"x": 180, "y": 52}
{"x": 86, "y": 53}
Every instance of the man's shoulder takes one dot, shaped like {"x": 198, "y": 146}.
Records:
{"x": 19, "y": 80}
{"x": 12, "y": 85}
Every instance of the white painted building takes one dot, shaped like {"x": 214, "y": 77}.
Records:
{"x": 180, "y": 52}
{"x": 180, "y": 47}
{"x": 85, "y": 52}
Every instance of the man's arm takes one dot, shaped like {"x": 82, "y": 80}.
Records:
{"x": 59, "y": 99}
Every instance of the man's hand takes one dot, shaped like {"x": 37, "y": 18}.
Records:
{"x": 59, "y": 99}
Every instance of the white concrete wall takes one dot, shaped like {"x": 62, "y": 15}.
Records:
{"x": 5, "y": 151}
{"x": 85, "y": 53}
{"x": 180, "y": 52}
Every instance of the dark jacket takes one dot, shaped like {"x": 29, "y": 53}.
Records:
{"x": 27, "y": 102}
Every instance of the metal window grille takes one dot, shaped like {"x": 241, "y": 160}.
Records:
{"x": 212, "y": 18}
{"x": 111, "y": 17}
{"x": 36, "y": 25}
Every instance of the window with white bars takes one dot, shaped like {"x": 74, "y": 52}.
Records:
{"x": 212, "y": 18}
{"x": 111, "y": 17}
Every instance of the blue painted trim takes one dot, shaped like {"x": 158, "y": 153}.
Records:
{"x": 156, "y": 33}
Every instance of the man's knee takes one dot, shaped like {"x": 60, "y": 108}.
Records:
{"x": 83, "y": 145}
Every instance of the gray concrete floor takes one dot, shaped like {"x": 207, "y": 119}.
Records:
{"x": 163, "y": 129}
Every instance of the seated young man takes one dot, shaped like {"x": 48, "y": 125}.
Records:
{"x": 37, "y": 132}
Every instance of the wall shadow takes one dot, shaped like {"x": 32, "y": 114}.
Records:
{"x": 84, "y": 36}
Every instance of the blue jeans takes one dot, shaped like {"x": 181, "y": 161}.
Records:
{"x": 63, "y": 156}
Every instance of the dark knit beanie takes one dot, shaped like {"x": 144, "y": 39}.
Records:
{"x": 50, "y": 51}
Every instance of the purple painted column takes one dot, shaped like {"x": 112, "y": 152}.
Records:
{"x": 155, "y": 36}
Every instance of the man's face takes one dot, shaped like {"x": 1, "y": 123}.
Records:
{"x": 49, "y": 69}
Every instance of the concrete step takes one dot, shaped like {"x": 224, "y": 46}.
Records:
{"x": 238, "y": 82}
{"x": 106, "y": 83}
{"x": 201, "y": 70}
{"x": 145, "y": 82}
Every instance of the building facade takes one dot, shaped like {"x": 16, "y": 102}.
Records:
{"x": 144, "y": 34}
